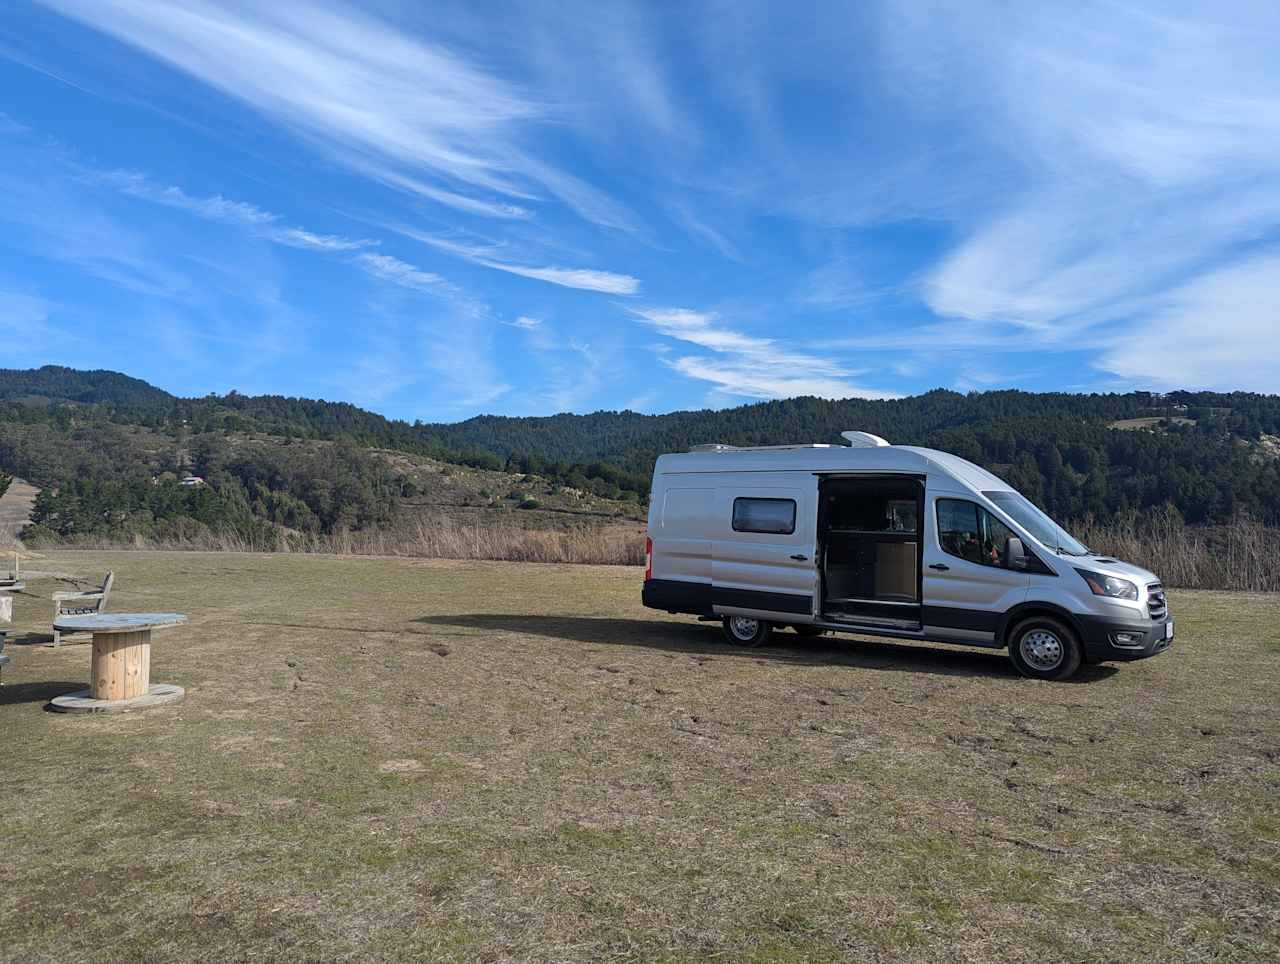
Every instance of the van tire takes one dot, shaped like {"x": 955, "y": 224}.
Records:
{"x": 746, "y": 631}
{"x": 1042, "y": 647}
{"x": 804, "y": 629}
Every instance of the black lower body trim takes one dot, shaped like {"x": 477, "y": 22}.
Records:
{"x": 701, "y": 598}
{"x": 677, "y": 596}
{"x": 953, "y": 617}
{"x": 770, "y": 602}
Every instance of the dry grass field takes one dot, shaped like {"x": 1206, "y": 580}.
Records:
{"x": 393, "y": 758}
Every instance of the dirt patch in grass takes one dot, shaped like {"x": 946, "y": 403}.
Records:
{"x": 581, "y": 778}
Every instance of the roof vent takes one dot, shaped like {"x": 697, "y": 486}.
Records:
{"x": 863, "y": 440}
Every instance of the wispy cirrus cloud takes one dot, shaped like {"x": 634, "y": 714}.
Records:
{"x": 1176, "y": 346}
{"x": 459, "y": 202}
{"x": 704, "y": 232}
{"x": 387, "y": 268}
{"x": 266, "y": 225}
{"x": 461, "y": 357}
{"x": 908, "y": 182}
{"x": 216, "y": 208}
{"x": 298, "y": 238}
{"x": 363, "y": 90}
{"x": 51, "y": 218}
{"x": 570, "y": 370}
{"x": 586, "y": 279}
{"x": 749, "y": 365}
{"x": 1143, "y": 146}
{"x": 840, "y": 283}
{"x": 579, "y": 384}
{"x": 525, "y": 322}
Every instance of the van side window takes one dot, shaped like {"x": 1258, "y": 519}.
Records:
{"x": 967, "y": 530}
{"x": 775, "y": 516}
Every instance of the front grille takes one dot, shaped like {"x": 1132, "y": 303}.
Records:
{"x": 1157, "y": 606}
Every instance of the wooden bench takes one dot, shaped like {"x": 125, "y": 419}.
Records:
{"x": 89, "y": 603}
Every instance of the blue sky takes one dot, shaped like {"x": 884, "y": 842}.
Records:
{"x": 436, "y": 210}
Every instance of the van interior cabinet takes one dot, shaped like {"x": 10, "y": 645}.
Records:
{"x": 897, "y": 575}
{"x": 870, "y": 533}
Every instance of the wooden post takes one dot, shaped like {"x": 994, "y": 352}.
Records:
{"x": 121, "y": 665}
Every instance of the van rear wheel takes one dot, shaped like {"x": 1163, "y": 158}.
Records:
{"x": 1044, "y": 648}
{"x": 746, "y": 631}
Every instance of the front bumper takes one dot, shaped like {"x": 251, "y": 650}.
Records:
{"x": 1099, "y": 638}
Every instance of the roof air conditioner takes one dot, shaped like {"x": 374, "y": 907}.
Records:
{"x": 863, "y": 440}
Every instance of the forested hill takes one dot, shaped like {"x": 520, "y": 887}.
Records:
{"x": 1209, "y": 454}
{"x": 635, "y": 440}
{"x": 55, "y": 384}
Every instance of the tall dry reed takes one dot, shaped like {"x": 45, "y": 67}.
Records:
{"x": 435, "y": 539}
{"x": 444, "y": 538}
{"x": 1243, "y": 554}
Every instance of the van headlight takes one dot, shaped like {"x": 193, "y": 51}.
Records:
{"x": 1112, "y": 586}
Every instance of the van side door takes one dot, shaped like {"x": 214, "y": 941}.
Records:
{"x": 763, "y": 557}
{"x": 967, "y": 589}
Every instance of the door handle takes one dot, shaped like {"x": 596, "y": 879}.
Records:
{"x": 940, "y": 566}
{"x": 799, "y": 557}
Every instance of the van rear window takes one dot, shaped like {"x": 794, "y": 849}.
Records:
{"x": 776, "y": 516}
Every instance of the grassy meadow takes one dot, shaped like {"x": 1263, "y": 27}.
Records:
{"x": 395, "y": 757}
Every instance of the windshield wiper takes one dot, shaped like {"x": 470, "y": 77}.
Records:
{"x": 1060, "y": 549}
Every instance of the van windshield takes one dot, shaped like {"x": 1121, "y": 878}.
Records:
{"x": 1048, "y": 532}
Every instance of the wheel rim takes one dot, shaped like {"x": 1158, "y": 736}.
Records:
{"x": 1042, "y": 649}
{"x": 743, "y": 627}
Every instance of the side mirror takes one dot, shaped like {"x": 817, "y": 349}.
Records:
{"x": 1015, "y": 556}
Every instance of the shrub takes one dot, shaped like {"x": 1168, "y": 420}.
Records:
{"x": 37, "y": 536}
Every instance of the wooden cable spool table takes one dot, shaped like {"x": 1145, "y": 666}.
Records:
{"x": 120, "y": 677}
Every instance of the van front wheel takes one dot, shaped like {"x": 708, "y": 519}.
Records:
{"x": 1044, "y": 648}
{"x": 745, "y": 631}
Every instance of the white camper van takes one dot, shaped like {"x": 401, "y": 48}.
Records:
{"x": 888, "y": 540}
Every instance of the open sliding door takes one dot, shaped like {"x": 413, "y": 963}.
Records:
{"x": 870, "y": 534}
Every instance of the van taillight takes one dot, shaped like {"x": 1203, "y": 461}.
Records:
{"x": 648, "y": 558}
